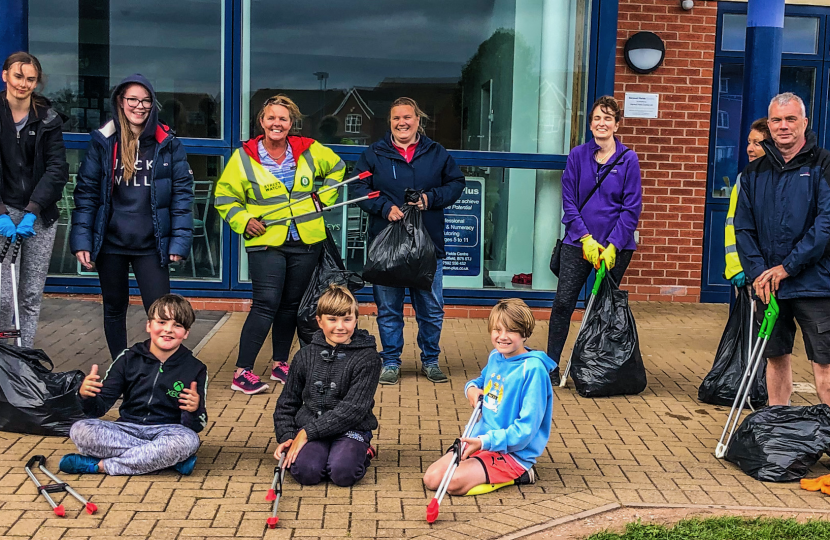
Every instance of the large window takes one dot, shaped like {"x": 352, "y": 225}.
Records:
{"x": 493, "y": 76}
{"x": 87, "y": 46}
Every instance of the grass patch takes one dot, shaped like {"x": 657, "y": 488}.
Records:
{"x": 724, "y": 528}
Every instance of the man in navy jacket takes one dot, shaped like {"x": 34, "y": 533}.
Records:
{"x": 782, "y": 225}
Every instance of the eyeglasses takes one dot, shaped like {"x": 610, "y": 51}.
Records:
{"x": 274, "y": 101}
{"x": 134, "y": 102}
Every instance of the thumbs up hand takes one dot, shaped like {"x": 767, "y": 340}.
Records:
{"x": 91, "y": 386}
{"x": 189, "y": 398}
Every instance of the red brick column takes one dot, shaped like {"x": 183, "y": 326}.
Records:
{"x": 672, "y": 148}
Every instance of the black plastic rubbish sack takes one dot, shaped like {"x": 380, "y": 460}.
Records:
{"x": 606, "y": 359}
{"x": 780, "y": 443}
{"x": 330, "y": 269}
{"x": 721, "y": 384}
{"x": 33, "y": 399}
{"x": 402, "y": 254}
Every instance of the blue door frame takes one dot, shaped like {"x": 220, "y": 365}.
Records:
{"x": 603, "y": 44}
{"x": 714, "y": 288}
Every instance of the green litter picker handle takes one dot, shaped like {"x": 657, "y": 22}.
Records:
{"x": 601, "y": 276}
{"x": 770, "y": 316}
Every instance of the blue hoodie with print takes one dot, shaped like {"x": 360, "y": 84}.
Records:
{"x": 518, "y": 405}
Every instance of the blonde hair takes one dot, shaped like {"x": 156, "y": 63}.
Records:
{"x": 513, "y": 315}
{"x": 280, "y": 99}
{"x": 337, "y": 301}
{"x": 129, "y": 140}
{"x": 409, "y": 102}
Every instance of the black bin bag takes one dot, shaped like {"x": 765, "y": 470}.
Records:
{"x": 721, "y": 384}
{"x": 606, "y": 359}
{"x": 402, "y": 254}
{"x": 330, "y": 269}
{"x": 34, "y": 400}
{"x": 780, "y": 443}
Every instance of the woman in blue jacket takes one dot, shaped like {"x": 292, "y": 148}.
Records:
{"x": 406, "y": 158}
{"x": 133, "y": 205}
{"x": 600, "y": 228}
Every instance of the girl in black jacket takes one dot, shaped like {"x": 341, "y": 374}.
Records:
{"x": 33, "y": 172}
{"x": 324, "y": 420}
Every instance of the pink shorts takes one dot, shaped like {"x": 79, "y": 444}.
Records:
{"x": 498, "y": 468}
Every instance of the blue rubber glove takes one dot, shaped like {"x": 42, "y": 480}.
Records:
{"x": 7, "y": 227}
{"x": 739, "y": 280}
{"x": 26, "y": 227}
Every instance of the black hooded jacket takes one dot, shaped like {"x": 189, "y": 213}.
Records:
{"x": 330, "y": 390}
{"x": 33, "y": 167}
{"x": 150, "y": 388}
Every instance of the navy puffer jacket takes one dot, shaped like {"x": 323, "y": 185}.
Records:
{"x": 171, "y": 192}
{"x": 783, "y": 218}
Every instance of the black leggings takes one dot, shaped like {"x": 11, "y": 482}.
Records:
{"x": 279, "y": 277}
{"x": 573, "y": 273}
{"x": 114, "y": 275}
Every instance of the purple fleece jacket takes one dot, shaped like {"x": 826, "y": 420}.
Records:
{"x": 612, "y": 213}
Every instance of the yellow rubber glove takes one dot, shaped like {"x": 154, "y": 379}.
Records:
{"x": 609, "y": 256}
{"x": 590, "y": 250}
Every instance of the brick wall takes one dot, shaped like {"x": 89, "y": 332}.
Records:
{"x": 672, "y": 148}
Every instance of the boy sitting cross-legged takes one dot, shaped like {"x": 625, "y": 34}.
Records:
{"x": 516, "y": 412}
{"x": 324, "y": 420}
{"x": 163, "y": 388}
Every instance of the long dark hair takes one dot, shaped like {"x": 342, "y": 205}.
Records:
{"x": 22, "y": 57}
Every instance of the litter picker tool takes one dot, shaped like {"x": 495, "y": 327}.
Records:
{"x": 755, "y": 359}
{"x": 315, "y": 197}
{"x": 457, "y": 449}
{"x": 319, "y": 208}
{"x": 58, "y": 487}
{"x": 597, "y": 282}
{"x": 11, "y": 334}
{"x": 275, "y": 493}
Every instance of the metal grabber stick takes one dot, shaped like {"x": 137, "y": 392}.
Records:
{"x": 770, "y": 316}
{"x": 457, "y": 449}
{"x": 275, "y": 493}
{"x": 321, "y": 209}
{"x": 57, "y": 487}
{"x": 15, "y": 251}
{"x": 597, "y": 282}
{"x": 8, "y": 334}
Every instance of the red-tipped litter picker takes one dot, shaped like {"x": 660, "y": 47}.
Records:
{"x": 457, "y": 449}
{"x": 57, "y": 487}
{"x": 275, "y": 493}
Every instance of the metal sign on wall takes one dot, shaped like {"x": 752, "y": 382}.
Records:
{"x": 463, "y": 238}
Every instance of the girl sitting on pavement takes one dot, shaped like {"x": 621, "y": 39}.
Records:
{"x": 163, "y": 388}
{"x": 324, "y": 420}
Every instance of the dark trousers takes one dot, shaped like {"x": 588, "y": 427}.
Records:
{"x": 573, "y": 273}
{"x": 342, "y": 460}
{"x": 114, "y": 274}
{"x": 279, "y": 277}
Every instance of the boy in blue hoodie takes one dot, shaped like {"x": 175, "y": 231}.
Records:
{"x": 516, "y": 414}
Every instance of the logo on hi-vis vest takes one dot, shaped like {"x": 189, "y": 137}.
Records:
{"x": 274, "y": 186}
{"x": 178, "y": 386}
{"x": 305, "y": 181}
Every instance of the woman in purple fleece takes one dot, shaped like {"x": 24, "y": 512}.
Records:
{"x": 603, "y": 230}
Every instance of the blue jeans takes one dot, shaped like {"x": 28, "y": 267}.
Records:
{"x": 429, "y": 312}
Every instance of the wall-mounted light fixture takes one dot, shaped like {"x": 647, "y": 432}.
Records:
{"x": 687, "y": 5}
{"x": 644, "y": 52}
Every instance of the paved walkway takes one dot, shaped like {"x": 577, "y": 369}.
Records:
{"x": 652, "y": 448}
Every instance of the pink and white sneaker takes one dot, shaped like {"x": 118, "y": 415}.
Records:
{"x": 280, "y": 372}
{"x": 248, "y": 383}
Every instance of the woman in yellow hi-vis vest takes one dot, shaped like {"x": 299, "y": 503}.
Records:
{"x": 267, "y": 173}
{"x": 734, "y": 272}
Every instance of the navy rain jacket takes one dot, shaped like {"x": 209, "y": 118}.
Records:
{"x": 171, "y": 194}
{"x": 432, "y": 170}
{"x": 783, "y": 217}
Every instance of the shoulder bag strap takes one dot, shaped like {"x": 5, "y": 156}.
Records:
{"x": 602, "y": 179}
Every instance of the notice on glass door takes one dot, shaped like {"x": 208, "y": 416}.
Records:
{"x": 462, "y": 238}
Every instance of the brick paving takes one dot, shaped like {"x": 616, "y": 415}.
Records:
{"x": 652, "y": 448}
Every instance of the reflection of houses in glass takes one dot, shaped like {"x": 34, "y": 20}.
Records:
{"x": 359, "y": 115}
{"x": 727, "y": 133}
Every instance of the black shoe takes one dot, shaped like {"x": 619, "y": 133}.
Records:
{"x": 528, "y": 477}
{"x": 555, "y": 379}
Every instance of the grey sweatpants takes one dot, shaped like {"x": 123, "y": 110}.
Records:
{"x": 32, "y": 267}
{"x": 129, "y": 449}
